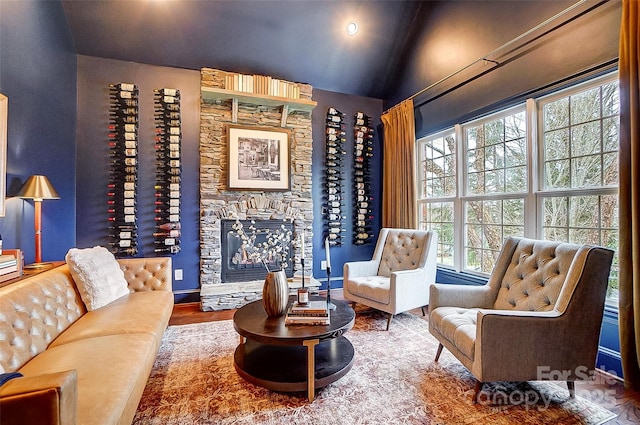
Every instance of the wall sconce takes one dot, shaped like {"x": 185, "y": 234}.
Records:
{"x": 38, "y": 188}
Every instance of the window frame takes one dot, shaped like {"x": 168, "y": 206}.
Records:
{"x": 535, "y": 194}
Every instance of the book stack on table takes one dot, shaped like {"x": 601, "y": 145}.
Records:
{"x": 313, "y": 313}
{"x": 10, "y": 265}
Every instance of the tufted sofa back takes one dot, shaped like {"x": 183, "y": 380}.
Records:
{"x": 535, "y": 275}
{"x": 403, "y": 250}
{"x": 33, "y": 312}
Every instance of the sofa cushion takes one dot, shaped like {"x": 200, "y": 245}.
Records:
{"x": 123, "y": 317}
{"x": 375, "y": 288}
{"x": 98, "y": 276}
{"x": 112, "y": 373}
{"x": 458, "y": 325}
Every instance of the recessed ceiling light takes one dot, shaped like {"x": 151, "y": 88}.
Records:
{"x": 352, "y": 28}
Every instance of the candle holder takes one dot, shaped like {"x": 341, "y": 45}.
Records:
{"x": 330, "y": 305}
{"x": 303, "y": 292}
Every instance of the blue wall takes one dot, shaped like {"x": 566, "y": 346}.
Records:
{"x": 38, "y": 75}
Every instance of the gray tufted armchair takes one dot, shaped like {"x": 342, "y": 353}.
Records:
{"x": 540, "y": 313}
{"x": 397, "y": 279}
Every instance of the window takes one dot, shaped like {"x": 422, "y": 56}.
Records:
{"x": 496, "y": 186}
{"x": 498, "y": 176}
{"x": 438, "y": 183}
{"x": 579, "y": 173}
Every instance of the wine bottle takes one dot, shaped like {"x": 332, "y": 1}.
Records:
{"x": 122, "y": 86}
{"x": 333, "y": 124}
{"x": 123, "y": 243}
{"x": 167, "y": 92}
{"x": 171, "y": 233}
{"x": 174, "y": 202}
{"x": 173, "y": 218}
{"x": 168, "y": 249}
{"x": 334, "y": 138}
{"x": 171, "y": 163}
{"x": 169, "y": 226}
{"x": 168, "y": 179}
{"x": 124, "y": 251}
{"x": 169, "y": 186}
{"x": 334, "y": 111}
{"x": 122, "y": 219}
{"x": 161, "y": 211}
{"x": 167, "y": 241}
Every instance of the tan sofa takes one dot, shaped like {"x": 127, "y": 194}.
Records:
{"x": 80, "y": 367}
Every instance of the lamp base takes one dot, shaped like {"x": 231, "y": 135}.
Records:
{"x": 38, "y": 266}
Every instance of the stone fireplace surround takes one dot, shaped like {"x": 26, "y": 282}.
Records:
{"x": 217, "y": 203}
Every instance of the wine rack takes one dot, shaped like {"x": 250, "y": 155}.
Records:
{"x": 363, "y": 151}
{"x": 123, "y": 180}
{"x": 168, "y": 170}
{"x": 334, "y": 176}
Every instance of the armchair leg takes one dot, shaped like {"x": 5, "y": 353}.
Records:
{"x": 476, "y": 391}
{"x": 440, "y": 347}
{"x": 423, "y": 311}
{"x": 571, "y": 385}
{"x": 389, "y": 320}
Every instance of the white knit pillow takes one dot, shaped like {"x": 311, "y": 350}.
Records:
{"x": 98, "y": 276}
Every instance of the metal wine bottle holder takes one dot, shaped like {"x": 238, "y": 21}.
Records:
{"x": 123, "y": 154}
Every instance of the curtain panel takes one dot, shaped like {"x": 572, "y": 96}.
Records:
{"x": 398, "y": 178}
{"x": 629, "y": 255}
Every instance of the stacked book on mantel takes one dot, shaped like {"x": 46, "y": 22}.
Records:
{"x": 313, "y": 313}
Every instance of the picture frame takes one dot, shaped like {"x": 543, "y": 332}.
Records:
{"x": 259, "y": 158}
{"x": 4, "y": 113}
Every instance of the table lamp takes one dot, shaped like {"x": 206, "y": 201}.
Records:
{"x": 38, "y": 188}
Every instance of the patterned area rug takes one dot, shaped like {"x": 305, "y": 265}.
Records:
{"x": 394, "y": 380}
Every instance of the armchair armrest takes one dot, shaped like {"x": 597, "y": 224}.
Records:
{"x": 360, "y": 269}
{"x": 549, "y": 339}
{"x": 407, "y": 286}
{"x": 464, "y": 296}
{"x": 49, "y": 399}
{"x": 147, "y": 274}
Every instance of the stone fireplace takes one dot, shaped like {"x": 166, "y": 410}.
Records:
{"x": 219, "y": 205}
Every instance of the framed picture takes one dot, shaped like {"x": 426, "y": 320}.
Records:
{"x": 4, "y": 108}
{"x": 259, "y": 158}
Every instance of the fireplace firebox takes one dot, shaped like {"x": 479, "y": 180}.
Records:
{"x": 238, "y": 265}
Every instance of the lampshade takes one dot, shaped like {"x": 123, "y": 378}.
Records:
{"x": 38, "y": 188}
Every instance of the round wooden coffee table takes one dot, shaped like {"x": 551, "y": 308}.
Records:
{"x": 290, "y": 358}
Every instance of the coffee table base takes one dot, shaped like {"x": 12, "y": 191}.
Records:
{"x": 289, "y": 368}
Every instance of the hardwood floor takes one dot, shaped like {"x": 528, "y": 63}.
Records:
{"x": 606, "y": 390}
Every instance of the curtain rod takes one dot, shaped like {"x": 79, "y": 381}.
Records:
{"x": 485, "y": 58}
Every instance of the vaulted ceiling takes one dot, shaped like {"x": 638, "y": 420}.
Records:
{"x": 297, "y": 40}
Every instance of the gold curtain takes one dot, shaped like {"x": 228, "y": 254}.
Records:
{"x": 629, "y": 296}
{"x": 398, "y": 179}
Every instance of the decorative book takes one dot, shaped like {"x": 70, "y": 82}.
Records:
{"x": 314, "y": 313}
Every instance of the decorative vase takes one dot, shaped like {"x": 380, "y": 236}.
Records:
{"x": 275, "y": 293}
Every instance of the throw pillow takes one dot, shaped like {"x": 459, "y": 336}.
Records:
{"x": 98, "y": 276}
